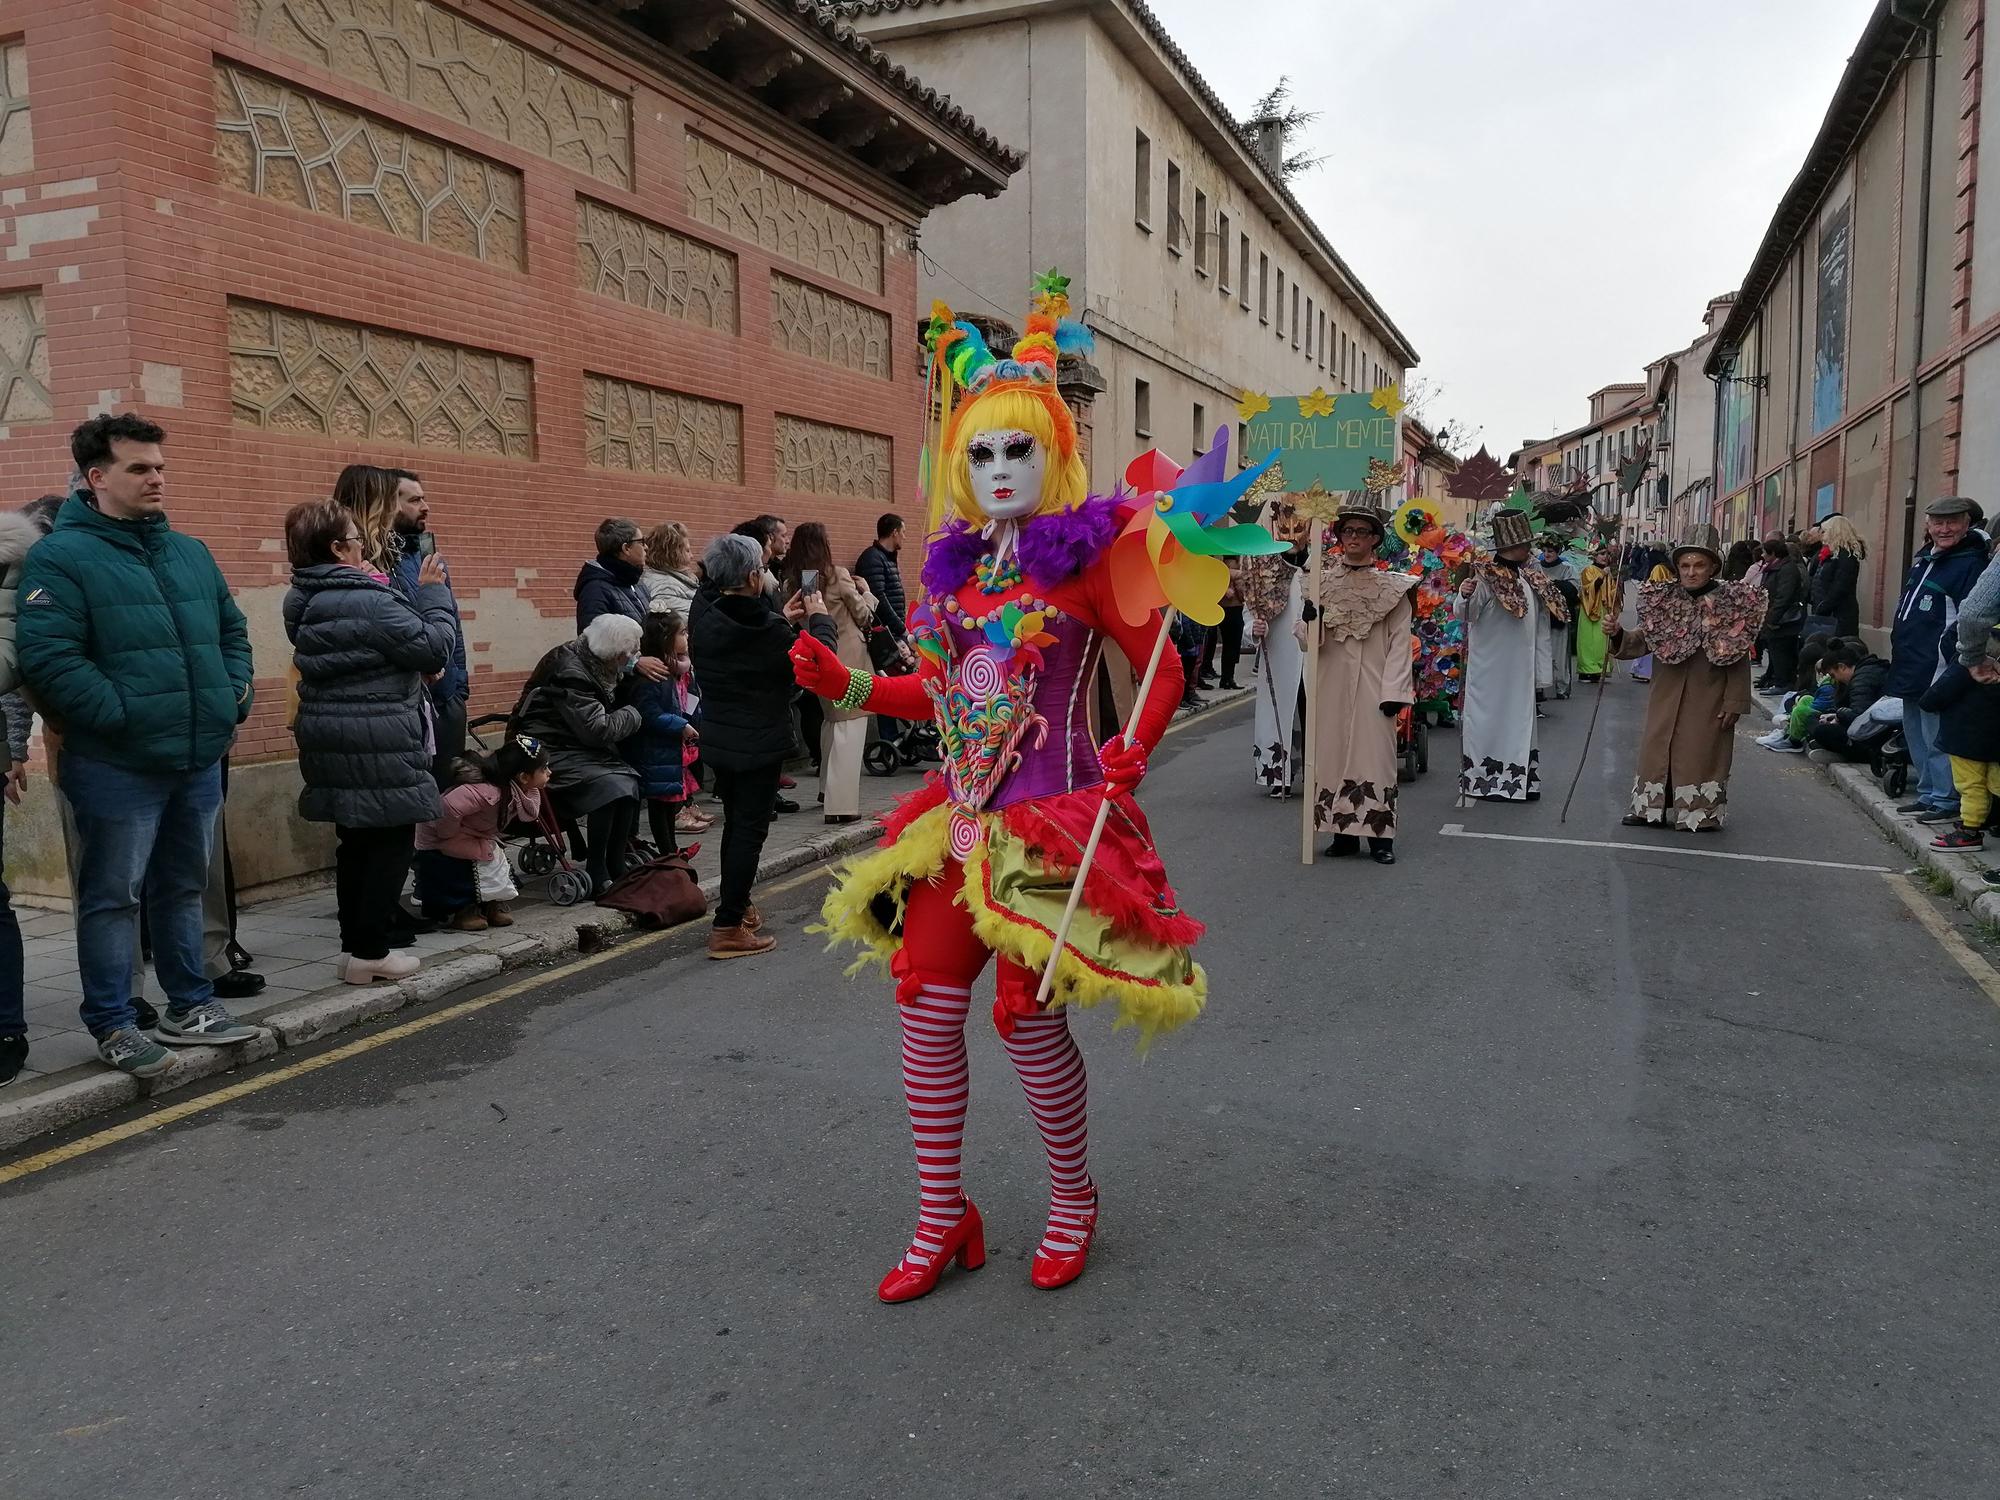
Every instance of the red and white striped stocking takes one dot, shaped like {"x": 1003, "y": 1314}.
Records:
{"x": 1051, "y": 1068}
{"x": 936, "y": 1084}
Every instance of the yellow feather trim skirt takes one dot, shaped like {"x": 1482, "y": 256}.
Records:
{"x": 1016, "y": 905}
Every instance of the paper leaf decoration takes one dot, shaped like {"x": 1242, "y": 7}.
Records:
{"x": 1317, "y": 504}
{"x": 1251, "y": 405}
{"x": 1387, "y": 400}
{"x": 1271, "y": 482}
{"x": 1316, "y": 403}
{"x": 1480, "y": 477}
{"x": 1383, "y": 475}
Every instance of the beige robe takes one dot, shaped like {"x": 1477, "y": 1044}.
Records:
{"x": 1686, "y": 751}
{"x": 1365, "y": 660}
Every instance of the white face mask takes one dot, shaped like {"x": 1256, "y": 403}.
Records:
{"x": 1007, "y": 468}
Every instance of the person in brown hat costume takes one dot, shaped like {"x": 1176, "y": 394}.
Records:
{"x": 1700, "y": 632}
{"x": 1507, "y": 605}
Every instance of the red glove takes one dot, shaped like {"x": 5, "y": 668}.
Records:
{"x": 1124, "y": 764}
{"x": 817, "y": 669}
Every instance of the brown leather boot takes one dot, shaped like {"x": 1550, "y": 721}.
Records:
{"x": 753, "y": 919}
{"x": 496, "y": 914}
{"x": 469, "y": 920}
{"x": 737, "y": 942}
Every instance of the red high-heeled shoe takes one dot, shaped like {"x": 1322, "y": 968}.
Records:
{"x": 1051, "y": 1271}
{"x": 964, "y": 1242}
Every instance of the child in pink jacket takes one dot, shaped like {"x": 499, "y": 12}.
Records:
{"x": 462, "y": 871}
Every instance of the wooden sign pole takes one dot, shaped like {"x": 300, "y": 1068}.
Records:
{"x": 1315, "y": 552}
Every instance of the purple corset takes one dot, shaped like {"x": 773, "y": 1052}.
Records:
{"x": 1055, "y": 755}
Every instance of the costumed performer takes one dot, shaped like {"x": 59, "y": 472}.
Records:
{"x": 1274, "y": 596}
{"x": 1015, "y": 608}
{"x": 1364, "y": 681}
{"x": 1598, "y": 609}
{"x": 1700, "y": 632}
{"x": 1561, "y": 572}
{"x": 1507, "y": 606}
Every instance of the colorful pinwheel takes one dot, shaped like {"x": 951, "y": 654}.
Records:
{"x": 1171, "y": 551}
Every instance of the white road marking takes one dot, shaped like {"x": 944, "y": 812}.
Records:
{"x": 1459, "y": 831}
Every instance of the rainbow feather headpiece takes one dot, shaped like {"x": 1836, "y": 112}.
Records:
{"x": 963, "y": 367}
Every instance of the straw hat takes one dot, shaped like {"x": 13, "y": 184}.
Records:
{"x": 1702, "y": 538}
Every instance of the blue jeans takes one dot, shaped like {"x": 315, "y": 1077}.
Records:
{"x": 1935, "y": 787}
{"x": 139, "y": 832}
{"x": 13, "y": 996}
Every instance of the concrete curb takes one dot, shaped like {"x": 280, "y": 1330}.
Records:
{"x": 1964, "y": 871}
{"x": 94, "y": 1091}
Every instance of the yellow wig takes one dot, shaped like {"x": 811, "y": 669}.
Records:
{"x": 1005, "y": 407}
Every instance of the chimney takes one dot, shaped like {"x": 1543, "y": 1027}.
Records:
{"x": 1267, "y": 144}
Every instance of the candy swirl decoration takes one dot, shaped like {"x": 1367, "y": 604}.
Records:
{"x": 987, "y": 709}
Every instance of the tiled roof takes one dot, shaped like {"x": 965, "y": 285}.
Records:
{"x": 1201, "y": 89}
{"x": 827, "y": 18}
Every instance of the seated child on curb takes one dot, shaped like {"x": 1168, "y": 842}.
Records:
{"x": 462, "y": 873}
{"x": 1969, "y": 732}
{"x": 665, "y": 745}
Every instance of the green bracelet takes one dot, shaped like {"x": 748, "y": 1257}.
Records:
{"x": 859, "y": 685}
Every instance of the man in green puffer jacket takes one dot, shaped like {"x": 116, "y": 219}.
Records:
{"x": 131, "y": 646}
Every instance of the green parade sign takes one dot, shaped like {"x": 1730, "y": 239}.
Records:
{"x": 1332, "y": 447}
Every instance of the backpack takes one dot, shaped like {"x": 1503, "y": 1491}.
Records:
{"x": 659, "y": 893}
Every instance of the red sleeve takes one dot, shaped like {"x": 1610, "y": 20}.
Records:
{"x": 903, "y": 697}
{"x": 1151, "y": 718}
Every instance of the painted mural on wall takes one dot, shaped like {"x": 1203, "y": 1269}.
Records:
{"x": 1739, "y": 419}
{"x": 1830, "y": 335}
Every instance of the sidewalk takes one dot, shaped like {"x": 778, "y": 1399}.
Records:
{"x": 294, "y": 942}
{"x": 1965, "y": 871}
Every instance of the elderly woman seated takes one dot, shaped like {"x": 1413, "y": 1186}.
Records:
{"x": 570, "y": 704}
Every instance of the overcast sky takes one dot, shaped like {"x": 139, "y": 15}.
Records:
{"x": 1543, "y": 194}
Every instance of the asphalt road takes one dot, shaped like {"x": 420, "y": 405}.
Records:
{"x": 1521, "y": 1169}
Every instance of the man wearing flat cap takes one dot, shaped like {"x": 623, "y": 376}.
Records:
{"x": 1925, "y": 624}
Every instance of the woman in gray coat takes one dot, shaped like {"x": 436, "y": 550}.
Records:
{"x": 364, "y": 740}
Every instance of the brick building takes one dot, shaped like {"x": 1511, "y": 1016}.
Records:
{"x": 567, "y": 259}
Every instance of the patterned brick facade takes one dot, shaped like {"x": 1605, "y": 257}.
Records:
{"x": 496, "y": 252}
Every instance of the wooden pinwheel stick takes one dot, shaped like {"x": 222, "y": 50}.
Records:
{"x": 1103, "y": 817}
{"x": 1309, "y": 781}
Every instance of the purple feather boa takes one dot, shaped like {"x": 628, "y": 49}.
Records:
{"x": 1053, "y": 548}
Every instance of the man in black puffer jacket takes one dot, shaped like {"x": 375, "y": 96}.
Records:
{"x": 876, "y": 567}
{"x": 740, "y": 647}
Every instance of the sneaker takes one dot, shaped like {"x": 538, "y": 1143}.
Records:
{"x": 472, "y": 919}
{"x": 1773, "y": 740}
{"x": 1937, "y": 815}
{"x": 208, "y": 1025}
{"x": 130, "y": 1050}
{"x": 1822, "y": 757}
{"x": 1912, "y": 809}
{"x": 784, "y": 805}
{"x": 1991, "y": 877}
{"x": 368, "y": 970}
{"x": 1959, "y": 836}
{"x": 1786, "y": 747}
{"x": 13, "y": 1054}
{"x": 239, "y": 984}
{"x": 143, "y": 1014}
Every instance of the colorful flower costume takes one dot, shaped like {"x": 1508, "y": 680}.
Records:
{"x": 978, "y": 864}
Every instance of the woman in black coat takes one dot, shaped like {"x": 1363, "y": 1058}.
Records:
{"x": 1785, "y": 611}
{"x": 365, "y": 744}
{"x": 1835, "y": 583}
{"x": 740, "y": 646}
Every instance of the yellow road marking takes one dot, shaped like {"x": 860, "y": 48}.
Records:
{"x": 1977, "y": 969}
{"x": 111, "y": 1135}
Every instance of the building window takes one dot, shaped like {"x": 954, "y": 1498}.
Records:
{"x": 1242, "y": 445}
{"x": 1176, "y": 225}
{"x": 1263, "y": 288}
{"x": 1295, "y": 315}
{"x": 1322, "y": 338}
{"x": 1142, "y": 409}
{"x": 1309, "y": 330}
{"x": 1222, "y": 253}
{"x": 1200, "y": 232}
{"x": 1200, "y": 444}
{"x": 1281, "y": 304}
{"x": 1142, "y": 182}
{"x": 1340, "y": 360}
{"x": 1243, "y": 273}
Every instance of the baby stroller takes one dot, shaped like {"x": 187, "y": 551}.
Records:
{"x": 1413, "y": 743}
{"x": 1889, "y": 763}
{"x": 545, "y": 846}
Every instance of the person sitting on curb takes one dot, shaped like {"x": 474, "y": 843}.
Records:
{"x": 1859, "y": 678}
{"x": 1969, "y": 732}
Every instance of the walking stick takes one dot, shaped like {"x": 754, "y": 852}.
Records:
{"x": 1315, "y": 560}
{"x": 1103, "y": 817}
{"x": 1618, "y": 610}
